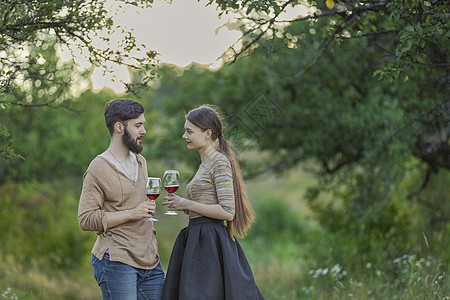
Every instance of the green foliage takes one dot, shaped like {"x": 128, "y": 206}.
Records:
{"x": 266, "y": 6}
{"x": 362, "y": 133}
{"x": 56, "y": 143}
{"x": 76, "y": 24}
{"x": 46, "y": 79}
{"x": 387, "y": 228}
{"x": 375, "y": 230}
{"x": 423, "y": 40}
{"x": 416, "y": 278}
{"x": 276, "y": 247}
{"x": 34, "y": 281}
{"x": 364, "y": 138}
{"x": 273, "y": 213}
{"x": 39, "y": 220}
{"x": 292, "y": 256}
{"x": 320, "y": 263}
{"x": 30, "y": 31}
{"x": 7, "y": 152}
{"x": 412, "y": 33}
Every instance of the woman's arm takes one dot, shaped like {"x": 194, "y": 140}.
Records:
{"x": 214, "y": 211}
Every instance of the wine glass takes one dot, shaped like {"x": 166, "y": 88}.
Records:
{"x": 171, "y": 181}
{"x": 153, "y": 190}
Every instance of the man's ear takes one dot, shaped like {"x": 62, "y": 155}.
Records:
{"x": 118, "y": 127}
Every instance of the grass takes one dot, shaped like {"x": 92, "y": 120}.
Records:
{"x": 284, "y": 249}
{"x": 288, "y": 187}
{"x": 35, "y": 281}
{"x": 287, "y": 268}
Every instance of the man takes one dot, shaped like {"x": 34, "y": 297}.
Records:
{"x": 113, "y": 203}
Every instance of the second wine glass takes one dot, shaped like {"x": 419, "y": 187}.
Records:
{"x": 171, "y": 181}
{"x": 153, "y": 190}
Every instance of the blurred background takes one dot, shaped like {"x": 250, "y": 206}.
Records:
{"x": 337, "y": 111}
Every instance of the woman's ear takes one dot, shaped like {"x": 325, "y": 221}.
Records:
{"x": 209, "y": 133}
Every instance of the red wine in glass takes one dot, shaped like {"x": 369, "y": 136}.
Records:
{"x": 153, "y": 190}
{"x": 171, "y": 188}
{"x": 171, "y": 181}
{"x": 152, "y": 197}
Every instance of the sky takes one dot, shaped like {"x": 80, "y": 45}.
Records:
{"x": 182, "y": 32}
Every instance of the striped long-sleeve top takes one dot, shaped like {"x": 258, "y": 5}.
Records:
{"x": 213, "y": 184}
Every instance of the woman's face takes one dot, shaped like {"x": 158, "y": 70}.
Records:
{"x": 195, "y": 138}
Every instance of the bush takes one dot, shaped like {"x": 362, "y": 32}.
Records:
{"x": 275, "y": 221}
{"x": 39, "y": 222}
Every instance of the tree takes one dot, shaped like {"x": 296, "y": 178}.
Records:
{"x": 55, "y": 139}
{"x": 417, "y": 31}
{"x": 412, "y": 36}
{"x": 84, "y": 27}
{"x": 364, "y": 135}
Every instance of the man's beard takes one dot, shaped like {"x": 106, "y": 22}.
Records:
{"x": 131, "y": 144}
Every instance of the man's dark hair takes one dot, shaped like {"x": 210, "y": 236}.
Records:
{"x": 121, "y": 110}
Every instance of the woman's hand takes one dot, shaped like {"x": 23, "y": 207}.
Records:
{"x": 215, "y": 211}
{"x": 175, "y": 202}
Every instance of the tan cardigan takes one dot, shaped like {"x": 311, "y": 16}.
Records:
{"x": 105, "y": 188}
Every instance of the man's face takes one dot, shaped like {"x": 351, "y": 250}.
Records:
{"x": 134, "y": 133}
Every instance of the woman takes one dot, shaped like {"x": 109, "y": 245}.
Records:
{"x": 206, "y": 261}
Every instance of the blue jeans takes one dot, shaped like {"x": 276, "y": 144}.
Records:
{"x": 119, "y": 281}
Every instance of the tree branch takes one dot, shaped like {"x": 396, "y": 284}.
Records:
{"x": 381, "y": 32}
{"x": 422, "y": 186}
{"x": 342, "y": 12}
{"x": 260, "y": 22}
{"x": 346, "y": 13}
{"x": 347, "y": 21}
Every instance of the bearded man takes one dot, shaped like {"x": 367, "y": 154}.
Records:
{"x": 113, "y": 203}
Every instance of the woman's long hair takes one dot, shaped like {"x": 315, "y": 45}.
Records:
{"x": 206, "y": 117}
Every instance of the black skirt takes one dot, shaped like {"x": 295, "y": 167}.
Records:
{"x": 206, "y": 264}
